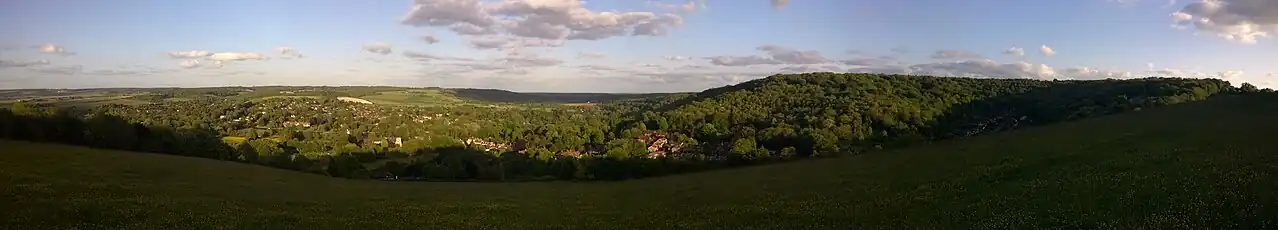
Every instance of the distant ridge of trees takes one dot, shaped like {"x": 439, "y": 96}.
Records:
{"x": 778, "y": 118}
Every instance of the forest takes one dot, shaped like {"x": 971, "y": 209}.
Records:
{"x": 774, "y": 119}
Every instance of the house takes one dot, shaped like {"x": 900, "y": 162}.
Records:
{"x": 297, "y": 124}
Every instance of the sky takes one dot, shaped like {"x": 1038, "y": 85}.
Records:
{"x": 623, "y": 46}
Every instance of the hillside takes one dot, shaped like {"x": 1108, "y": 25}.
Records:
{"x": 824, "y": 114}
{"x": 437, "y": 135}
{"x": 1194, "y": 165}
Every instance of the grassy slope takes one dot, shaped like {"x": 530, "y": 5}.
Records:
{"x": 1208, "y": 164}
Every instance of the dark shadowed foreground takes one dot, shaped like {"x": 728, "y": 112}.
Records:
{"x": 1198, "y": 165}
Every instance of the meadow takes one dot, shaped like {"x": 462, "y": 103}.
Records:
{"x": 1207, "y": 164}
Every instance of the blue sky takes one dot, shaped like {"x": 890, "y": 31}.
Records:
{"x": 619, "y": 45}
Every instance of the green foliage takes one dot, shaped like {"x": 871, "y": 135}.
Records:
{"x": 613, "y": 137}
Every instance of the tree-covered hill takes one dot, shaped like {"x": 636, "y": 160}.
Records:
{"x": 825, "y": 113}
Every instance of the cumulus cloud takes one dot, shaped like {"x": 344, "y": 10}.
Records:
{"x": 189, "y": 64}
{"x": 193, "y": 54}
{"x": 233, "y": 56}
{"x": 791, "y": 56}
{"x": 53, "y": 49}
{"x": 595, "y": 68}
{"x": 1125, "y": 2}
{"x": 1229, "y": 75}
{"x": 288, "y": 52}
{"x": 984, "y": 68}
{"x": 511, "y": 45}
{"x": 1015, "y": 51}
{"x": 542, "y": 19}
{"x": 590, "y": 55}
{"x": 1086, "y": 73}
{"x": 687, "y": 7}
{"x": 426, "y": 56}
{"x": 775, "y": 55}
{"x": 429, "y": 39}
{"x": 884, "y": 69}
{"x": 8, "y": 64}
{"x": 741, "y": 60}
{"x": 197, "y": 58}
{"x": 954, "y": 54}
{"x": 1243, "y": 21}
{"x": 1046, "y": 51}
{"x": 810, "y": 68}
{"x": 780, "y": 3}
{"x": 869, "y": 61}
{"x": 378, "y": 48}
{"x": 530, "y": 61}
{"x": 61, "y": 70}
{"x": 677, "y": 58}
{"x": 1175, "y": 73}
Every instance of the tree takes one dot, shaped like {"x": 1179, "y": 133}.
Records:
{"x": 744, "y": 147}
{"x": 246, "y": 152}
{"x": 1248, "y": 88}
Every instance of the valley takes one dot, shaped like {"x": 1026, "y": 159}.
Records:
{"x": 1195, "y": 165}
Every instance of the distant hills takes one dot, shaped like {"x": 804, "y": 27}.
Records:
{"x": 458, "y": 94}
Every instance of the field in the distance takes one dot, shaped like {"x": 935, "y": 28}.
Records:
{"x": 1199, "y": 165}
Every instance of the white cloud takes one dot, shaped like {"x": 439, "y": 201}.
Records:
{"x": 741, "y": 60}
{"x": 1015, "y": 51}
{"x": 190, "y": 54}
{"x": 780, "y": 3}
{"x": 1046, "y": 51}
{"x": 884, "y": 69}
{"x": 541, "y": 19}
{"x": 776, "y": 55}
{"x": 7, "y": 64}
{"x": 791, "y": 56}
{"x": 530, "y": 61}
{"x": 984, "y": 68}
{"x": 810, "y": 68}
{"x": 288, "y": 52}
{"x": 378, "y": 48}
{"x": 426, "y": 56}
{"x": 953, "y": 54}
{"x": 1243, "y": 21}
{"x": 232, "y": 56}
{"x": 1229, "y": 75}
{"x": 869, "y": 61}
{"x": 590, "y": 55}
{"x": 189, "y": 64}
{"x": 429, "y": 39}
{"x": 677, "y": 58}
{"x": 53, "y": 49}
{"x": 511, "y": 45}
{"x": 1086, "y": 73}
{"x": 61, "y": 70}
{"x": 687, "y": 7}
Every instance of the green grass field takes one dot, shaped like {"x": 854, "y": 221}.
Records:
{"x": 1200, "y": 165}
